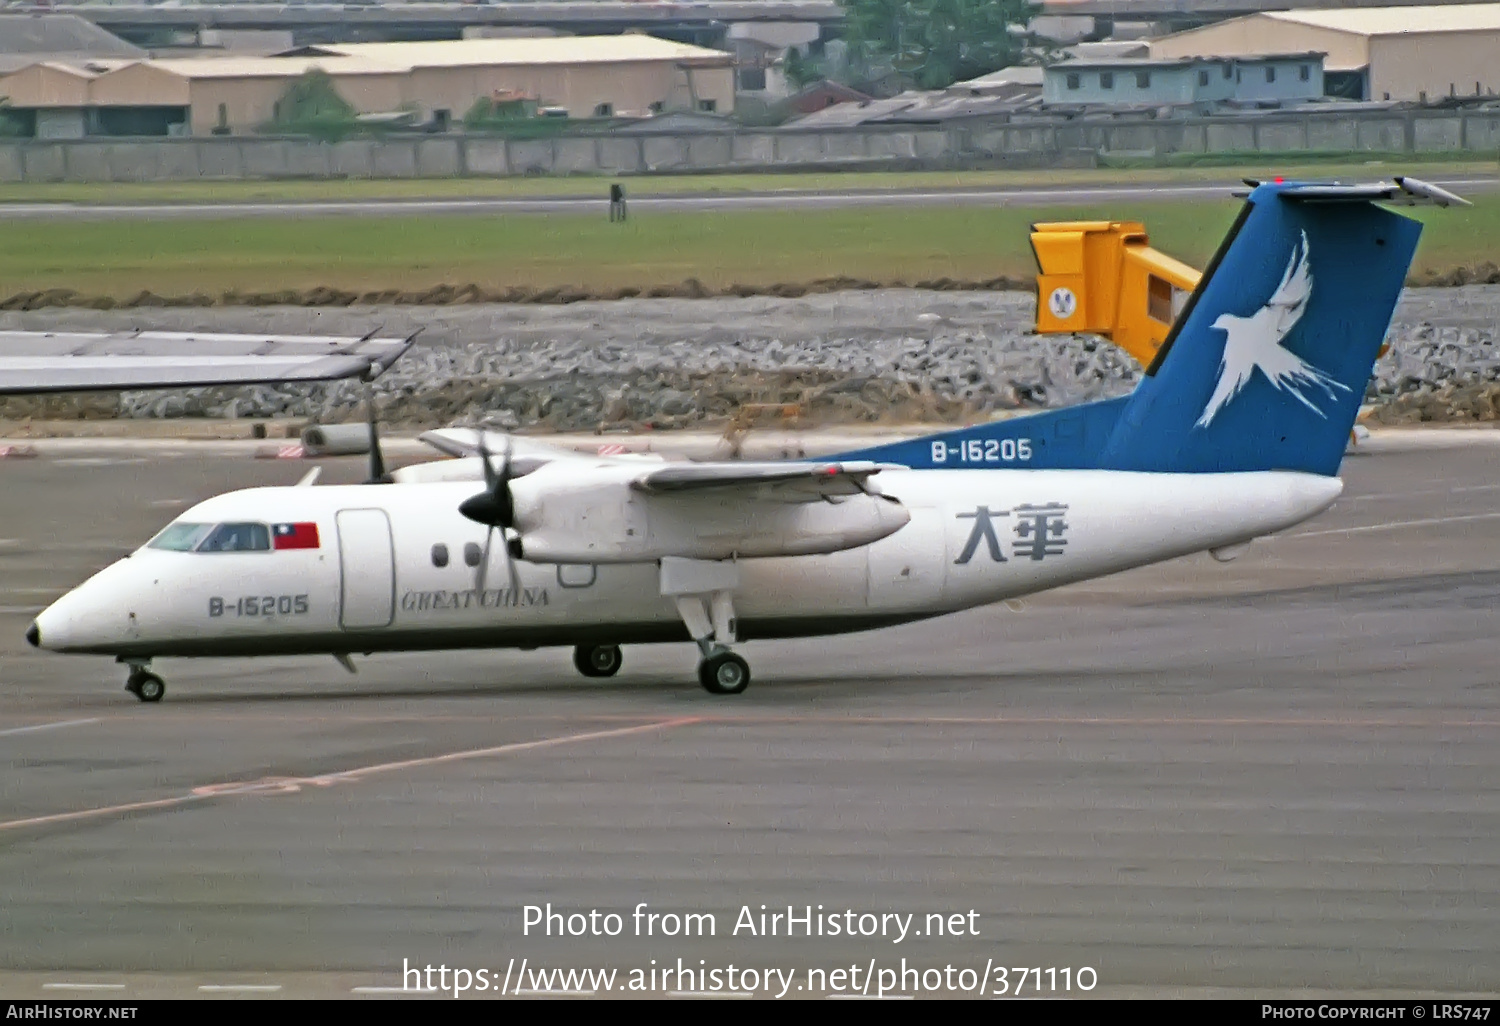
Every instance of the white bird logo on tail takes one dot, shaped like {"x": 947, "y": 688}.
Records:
{"x": 1254, "y": 342}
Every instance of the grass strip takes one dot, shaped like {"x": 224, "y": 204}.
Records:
{"x": 721, "y": 250}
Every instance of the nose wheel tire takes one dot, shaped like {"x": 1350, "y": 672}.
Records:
{"x": 724, "y": 674}
{"x": 598, "y": 660}
{"x": 148, "y": 687}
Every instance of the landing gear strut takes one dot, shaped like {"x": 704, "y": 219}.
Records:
{"x": 144, "y": 684}
{"x": 703, "y": 592}
{"x": 597, "y": 660}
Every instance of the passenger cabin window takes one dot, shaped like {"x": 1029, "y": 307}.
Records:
{"x": 1270, "y": 74}
{"x": 1227, "y": 71}
{"x": 1304, "y": 72}
{"x": 1106, "y": 80}
{"x": 238, "y": 538}
{"x": 180, "y": 537}
{"x": 1073, "y": 80}
{"x": 1203, "y": 78}
{"x": 440, "y": 554}
{"x": 1143, "y": 80}
{"x": 472, "y": 553}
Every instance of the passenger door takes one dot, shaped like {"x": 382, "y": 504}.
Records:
{"x": 367, "y": 569}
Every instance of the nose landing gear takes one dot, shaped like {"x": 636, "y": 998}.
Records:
{"x": 144, "y": 684}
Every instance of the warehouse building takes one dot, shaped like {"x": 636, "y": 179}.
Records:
{"x": 432, "y": 83}
{"x": 27, "y": 39}
{"x": 1190, "y": 84}
{"x": 1374, "y": 53}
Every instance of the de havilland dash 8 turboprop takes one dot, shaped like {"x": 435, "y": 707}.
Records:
{"x": 1236, "y": 431}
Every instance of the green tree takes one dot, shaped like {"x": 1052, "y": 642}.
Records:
{"x": 801, "y": 71}
{"x": 312, "y": 106}
{"x": 938, "y": 42}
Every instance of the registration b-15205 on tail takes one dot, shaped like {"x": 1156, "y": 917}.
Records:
{"x": 1236, "y": 431}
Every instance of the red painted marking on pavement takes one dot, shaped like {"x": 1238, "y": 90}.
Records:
{"x": 292, "y": 785}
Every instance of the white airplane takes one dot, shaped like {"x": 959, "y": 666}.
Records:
{"x": 597, "y": 552}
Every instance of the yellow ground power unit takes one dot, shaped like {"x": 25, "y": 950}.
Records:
{"x": 1102, "y": 278}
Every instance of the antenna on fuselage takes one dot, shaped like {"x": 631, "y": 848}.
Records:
{"x": 378, "y": 472}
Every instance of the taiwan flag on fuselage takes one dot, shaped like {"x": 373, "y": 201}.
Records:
{"x": 294, "y": 536}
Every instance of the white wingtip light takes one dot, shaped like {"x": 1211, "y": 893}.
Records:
{"x": 1421, "y": 191}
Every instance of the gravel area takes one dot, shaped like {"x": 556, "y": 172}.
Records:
{"x": 848, "y": 357}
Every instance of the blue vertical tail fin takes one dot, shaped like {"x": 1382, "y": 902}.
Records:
{"x": 1265, "y": 367}
{"x": 1268, "y": 364}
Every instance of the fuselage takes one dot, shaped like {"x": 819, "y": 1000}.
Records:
{"x": 393, "y": 567}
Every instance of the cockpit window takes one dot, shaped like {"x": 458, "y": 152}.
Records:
{"x": 180, "y": 537}
{"x": 237, "y": 538}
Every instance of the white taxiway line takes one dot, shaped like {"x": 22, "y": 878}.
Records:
{"x": 83, "y": 986}
{"x": 46, "y": 726}
{"x": 393, "y": 990}
{"x": 1395, "y": 524}
{"x": 239, "y": 988}
{"x": 1374, "y": 496}
{"x": 554, "y": 993}
{"x": 710, "y": 993}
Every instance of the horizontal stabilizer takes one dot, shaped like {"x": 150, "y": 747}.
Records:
{"x": 1402, "y": 191}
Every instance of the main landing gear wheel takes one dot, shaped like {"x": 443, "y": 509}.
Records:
{"x": 598, "y": 660}
{"x": 148, "y": 687}
{"x": 724, "y": 674}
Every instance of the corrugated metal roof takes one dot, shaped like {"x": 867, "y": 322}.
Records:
{"x": 27, "y": 39}
{"x": 48, "y": 34}
{"x": 1182, "y": 62}
{"x": 557, "y": 50}
{"x": 1399, "y": 21}
{"x": 272, "y": 67}
{"x": 1005, "y": 77}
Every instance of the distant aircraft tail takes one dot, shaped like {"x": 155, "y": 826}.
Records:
{"x": 1266, "y": 366}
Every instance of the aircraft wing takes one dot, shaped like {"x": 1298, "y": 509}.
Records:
{"x": 464, "y": 443}
{"x": 74, "y": 361}
{"x": 789, "y": 481}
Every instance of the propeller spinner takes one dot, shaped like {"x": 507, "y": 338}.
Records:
{"x": 494, "y": 508}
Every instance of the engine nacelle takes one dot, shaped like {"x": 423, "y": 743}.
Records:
{"x": 563, "y": 517}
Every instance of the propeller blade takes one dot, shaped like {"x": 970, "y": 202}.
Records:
{"x": 492, "y": 506}
{"x": 505, "y": 460}
{"x": 484, "y": 562}
{"x": 489, "y": 470}
{"x": 511, "y": 572}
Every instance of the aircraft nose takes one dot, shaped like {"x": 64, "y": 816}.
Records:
{"x": 34, "y": 636}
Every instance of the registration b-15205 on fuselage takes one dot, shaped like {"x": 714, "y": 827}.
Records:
{"x": 1236, "y": 431}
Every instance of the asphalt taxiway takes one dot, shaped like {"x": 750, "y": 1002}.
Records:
{"x": 598, "y": 201}
{"x": 1273, "y": 777}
